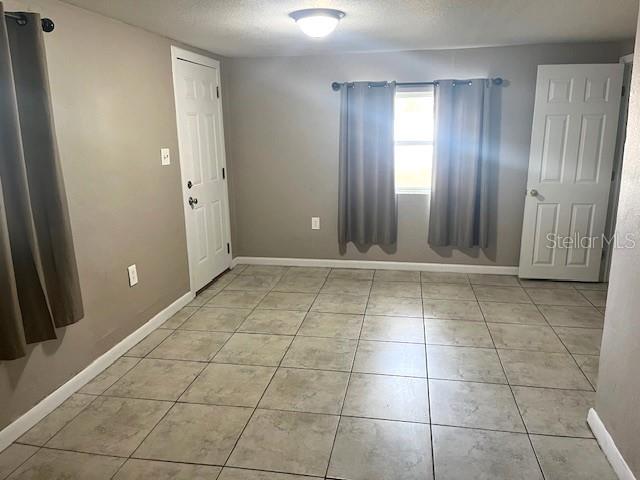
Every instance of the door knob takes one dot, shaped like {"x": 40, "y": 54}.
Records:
{"x": 533, "y": 192}
{"x": 193, "y": 201}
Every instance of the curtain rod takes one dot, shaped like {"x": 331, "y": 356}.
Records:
{"x": 21, "y": 19}
{"x": 336, "y": 85}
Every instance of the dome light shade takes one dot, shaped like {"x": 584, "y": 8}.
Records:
{"x": 317, "y": 22}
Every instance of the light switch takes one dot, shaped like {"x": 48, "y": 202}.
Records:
{"x": 315, "y": 223}
{"x": 165, "y": 156}
{"x": 133, "y": 275}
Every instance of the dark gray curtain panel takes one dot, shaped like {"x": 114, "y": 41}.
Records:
{"x": 459, "y": 212}
{"x": 39, "y": 285}
{"x": 367, "y": 206}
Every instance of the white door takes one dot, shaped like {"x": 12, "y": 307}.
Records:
{"x": 573, "y": 139}
{"x": 202, "y": 163}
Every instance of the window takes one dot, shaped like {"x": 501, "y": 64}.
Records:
{"x": 413, "y": 136}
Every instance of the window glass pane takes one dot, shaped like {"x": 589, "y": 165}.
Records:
{"x": 414, "y": 117}
{"x": 413, "y": 167}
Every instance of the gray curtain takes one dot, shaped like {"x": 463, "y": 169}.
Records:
{"x": 39, "y": 286}
{"x": 459, "y": 212}
{"x": 367, "y": 208}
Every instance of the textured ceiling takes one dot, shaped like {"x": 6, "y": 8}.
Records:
{"x": 239, "y": 28}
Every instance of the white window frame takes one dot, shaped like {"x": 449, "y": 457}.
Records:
{"x": 412, "y": 91}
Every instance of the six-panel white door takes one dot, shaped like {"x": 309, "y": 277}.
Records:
{"x": 572, "y": 146}
{"x": 202, "y": 163}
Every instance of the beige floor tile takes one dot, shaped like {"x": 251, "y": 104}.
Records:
{"x": 590, "y": 286}
{"x": 282, "y": 322}
{"x": 525, "y": 337}
{"x": 397, "y": 276}
{"x": 569, "y": 458}
{"x": 443, "y": 277}
{"x": 265, "y": 270}
{"x": 572, "y": 316}
{"x": 547, "y": 296}
{"x": 346, "y": 286}
{"x": 256, "y": 282}
{"x": 156, "y": 379}
{"x": 555, "y": 412}
{"x": 585, "y": 341}
{"x": 369, "y": 449}
{"x": 464, "y": 363}
{"x": 452, "y": 309}
{"x": 231, "y": 385}
{"x": 393, "y": 329}
{"x": 287, "y": 301}
{"x": 493, "y": 280}
{"x": 203, "y": 297}
{"x": 522, "y": 313}
{"x": 321, "y": 272}
{"x": 149, "y": 469}
{"x": 388, "y": 358}
{"x": 589, "y": 364}
{"x": 354, "y": 304}
{"x": 351, "y": 273}
{"x": 300, "y": 284}
{"x": 447, "y": 291}
{"x": 57, "y": 465}
{"x": 214, "y": 319}
{"x": 337, "y": 325}
{"x": 396, "y": 289}
{"x": 236, "y": 299}
{"x": 191, "y": 433}
{"x": 110, "y": 426}
{"x": 242, "y": 474}
{"x": 387, "y": 397}
{"x": 598, "y": 298}
{"x": 402, "y": 307}
{"x": 489, "y": 293}
{"x": 321, "y": 353}
{"x": 474, "y": 405}
{"x": 109, "y": 376}
{"x": 190, "y": 345}
{"x": 254, "y": 349}
{"x": 291, "y": 442}
{"x": 544, "y": 284}
{"x": 311, "y": 391}
{"x": 542, "y": 369}
{"x": 178, "y": 318}
{"x": 151, "y": 341}
{"x": 464, "y": 453}
{"x": 457, "y": 333}
{"x": 46, "y": 428}
{"x": 14, "y": 456}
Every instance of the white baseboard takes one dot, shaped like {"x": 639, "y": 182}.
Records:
{"x": 608, "y": 446}
{"x": 20, "y": 426}
{"x": 381, "y": 265}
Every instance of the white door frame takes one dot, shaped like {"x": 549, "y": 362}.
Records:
{"x": 178, "y": 54}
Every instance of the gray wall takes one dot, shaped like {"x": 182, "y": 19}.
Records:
{"x": 282, "y": 129}
{"x": 113, "y": 104}
{"x": 618, "y": 396}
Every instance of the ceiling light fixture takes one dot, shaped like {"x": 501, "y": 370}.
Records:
{"x": 317, "y": 22}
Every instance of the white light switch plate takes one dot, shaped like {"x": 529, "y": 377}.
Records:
{"x": 165, "y": 156}
{"x": 315, "y": 223}
{"x": 133, "y": 275}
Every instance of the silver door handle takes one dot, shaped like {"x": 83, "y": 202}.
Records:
{"x": 533, "y": 192}
{"x": 193, "y": 201}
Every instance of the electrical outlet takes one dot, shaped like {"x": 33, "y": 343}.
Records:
{"x": 165, "y": 156}
{"x": 133, "y": 275}
{"x": 315, "y": 223}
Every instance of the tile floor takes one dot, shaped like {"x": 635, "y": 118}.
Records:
{"x": 277, "y": 373}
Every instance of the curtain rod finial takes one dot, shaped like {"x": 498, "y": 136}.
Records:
{"x": 335, "y": 86}
{"x": 48, "y": 25}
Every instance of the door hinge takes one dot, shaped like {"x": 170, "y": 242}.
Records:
{"x": 228, "y": 248}
{"x": 224, "y": 175}
{"x": 622, "y": 91}
{"x": 217, "y": 91}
